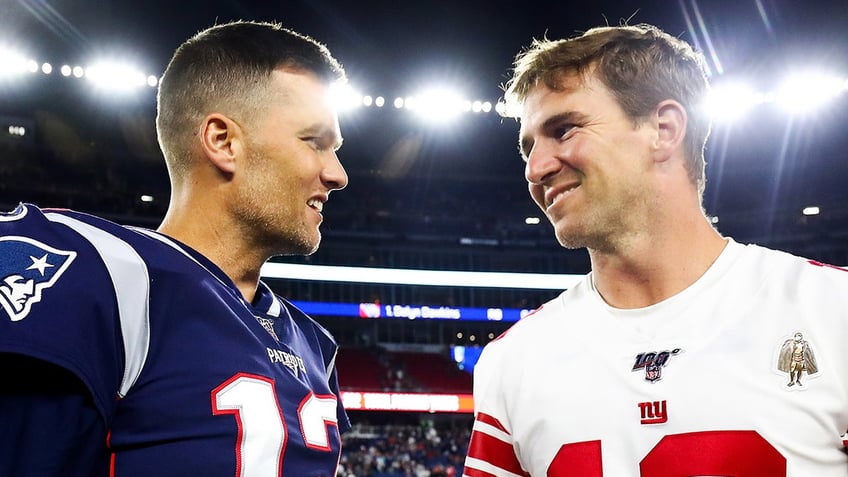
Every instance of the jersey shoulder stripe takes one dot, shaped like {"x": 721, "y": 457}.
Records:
{"x": 490, "y": 450}
{"x": 131, "y": 282}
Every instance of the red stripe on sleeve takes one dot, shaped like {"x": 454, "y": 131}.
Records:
{"x": 470, "y": 472}
{"x": 492, "y": 421}
{"x": 494, "y": 451}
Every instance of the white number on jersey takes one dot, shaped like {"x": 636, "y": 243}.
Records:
{"x": 262, "y": 433}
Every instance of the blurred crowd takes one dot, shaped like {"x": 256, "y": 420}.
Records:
{"x": 425, "y": 450}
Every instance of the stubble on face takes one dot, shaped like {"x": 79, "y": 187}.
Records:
{"x": 272, "y": 211}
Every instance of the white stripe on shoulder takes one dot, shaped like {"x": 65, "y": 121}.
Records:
{"x": 332, "y": 364}
{"x": 276, "y": 307}
{"x": 131, "y": 281}
{"x": 480, "y": 426}
{"x": 487, "y": 468}
{"x": 17, "y": 214}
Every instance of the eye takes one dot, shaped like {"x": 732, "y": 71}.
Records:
{"x": 316, "y": 142}
{"x": 562, "y": 130}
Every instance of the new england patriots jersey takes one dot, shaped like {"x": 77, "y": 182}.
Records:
{"x": 187, "y": 376}
{"x": 744, "y": 374}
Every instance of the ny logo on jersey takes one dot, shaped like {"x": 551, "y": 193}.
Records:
{"x": 654, "y": 412}
{"x": 653, "y": 363}
{"x": 28, "y": 267}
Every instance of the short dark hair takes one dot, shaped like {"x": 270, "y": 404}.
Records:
{"x": 226, "y": 68}
{"x": 640, "y": 64}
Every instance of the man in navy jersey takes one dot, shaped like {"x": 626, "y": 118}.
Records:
{"x": 132, "y": 352}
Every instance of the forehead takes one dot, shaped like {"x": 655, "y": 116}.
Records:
{"x": 300, "y": 89}
{"x": 542, "y": 99}
{"x": 303, "y": 100}
{"x": 576, "y": 94}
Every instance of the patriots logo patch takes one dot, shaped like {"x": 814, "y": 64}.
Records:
{"x": 28, "y": 267}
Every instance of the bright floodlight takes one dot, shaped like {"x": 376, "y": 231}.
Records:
{"x": 78, "y": 71}
{"x": 345, "y": 97}
{"x": 12, "y": 63}
{"x": 46, "y": 68}
{"x": 438, "y": 104}
{"x": 732, "y": 101}
{"x": 803, "y": 93}
{"x": 380, "y": 101}
{"x": 532, "y": 220}
{"x": 367, "y": 100}
{"x": 398, "y": 103}
{"x": 65, "y": 70}
{"x": 813, "y": 210}
{"x": 115, "y": 76}
{"x": 152, "y": 81}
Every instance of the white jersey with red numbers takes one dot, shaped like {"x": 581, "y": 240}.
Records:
{"x": 743, "y": 374}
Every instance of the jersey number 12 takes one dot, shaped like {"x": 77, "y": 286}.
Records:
{"x": 262, "y": 433}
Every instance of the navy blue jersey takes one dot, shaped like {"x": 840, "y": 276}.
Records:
{"x": 186, "y": 376}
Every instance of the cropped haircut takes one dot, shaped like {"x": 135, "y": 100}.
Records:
{"x": 227, "y": 69}
{"x": 640, "y": 64}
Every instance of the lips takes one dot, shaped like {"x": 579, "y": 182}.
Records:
{"x": 555, "y": 194}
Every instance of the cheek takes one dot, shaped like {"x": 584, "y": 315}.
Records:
{"x": 537, "y": 192}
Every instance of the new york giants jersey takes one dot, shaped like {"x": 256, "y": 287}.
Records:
{"x": 188, "y": 377}
{"x": 744, "y": 374}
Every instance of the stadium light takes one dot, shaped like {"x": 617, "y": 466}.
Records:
{"x": 12, "y": 63}
{"x": 345, "y": 97}
{"x": 806, "y": 92}
{"x": 437, "y": 104}
{"x": 813, "y": 210}
{"x": 115, "y": 76}
{"x": 732, "y": 101}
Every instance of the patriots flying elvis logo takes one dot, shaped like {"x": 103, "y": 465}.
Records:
{"x": 27, "y": 268}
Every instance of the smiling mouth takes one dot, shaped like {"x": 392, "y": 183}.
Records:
{"x": 315, "y": 204}
{"x": 562, "y": 194}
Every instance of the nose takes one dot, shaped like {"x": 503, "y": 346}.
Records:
{"x": 333, "y": 175}
{"x": 542, "y": 163}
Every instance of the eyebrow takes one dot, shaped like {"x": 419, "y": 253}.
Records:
{"x": 571, "y": 117}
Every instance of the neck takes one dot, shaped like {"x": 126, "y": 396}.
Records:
{"x": 208, "y": 231}
{"x": 655, "y": 266}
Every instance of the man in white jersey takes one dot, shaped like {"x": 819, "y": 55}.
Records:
{"x": 679, "y": 366}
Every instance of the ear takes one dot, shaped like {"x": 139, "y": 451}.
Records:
{"x": 220, "y": 139}
{"x": 671, "y": 123}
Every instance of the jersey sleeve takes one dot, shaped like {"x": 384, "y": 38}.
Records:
{"x": 57, "y": 430}
{"x": 59, "y": 303}
{"x": 491, "y": 451}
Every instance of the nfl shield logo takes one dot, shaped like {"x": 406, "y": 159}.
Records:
{"x": 653, "y": 372}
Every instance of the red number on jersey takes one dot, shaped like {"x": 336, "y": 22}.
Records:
{"x": 736, "y": 453}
